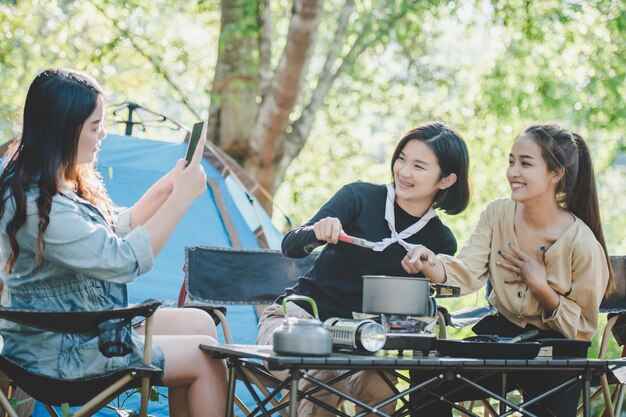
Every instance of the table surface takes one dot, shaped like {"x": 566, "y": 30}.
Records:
{"x": 339, "y": 360}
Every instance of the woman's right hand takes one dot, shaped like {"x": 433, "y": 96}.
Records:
{"x": 418, "y": 259}
{"x": 328, "y": 229}
{"x": 189, "y": 180}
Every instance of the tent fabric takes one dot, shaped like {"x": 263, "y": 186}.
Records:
{"x": 129, "y": 166}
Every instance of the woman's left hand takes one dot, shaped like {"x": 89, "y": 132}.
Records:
{"x": 528, "y": 269}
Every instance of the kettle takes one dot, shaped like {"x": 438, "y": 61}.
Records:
{"x": 302, "y": 337}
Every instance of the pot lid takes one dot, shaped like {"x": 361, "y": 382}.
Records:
{"x": 394, "y": 277}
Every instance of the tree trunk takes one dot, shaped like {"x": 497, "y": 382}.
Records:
{"x": 235, "y": 90}
{"x": 273, "y": 117}
{"x": 301, "y": 128}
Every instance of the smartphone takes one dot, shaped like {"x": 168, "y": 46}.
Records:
{"x": 199, "y": 130}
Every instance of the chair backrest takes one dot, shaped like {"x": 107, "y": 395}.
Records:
{"x": 617, "y": 301}
{"x": 76, "y": 321}
{"x": 240, "y": 276}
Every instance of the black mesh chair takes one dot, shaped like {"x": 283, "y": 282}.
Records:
{"x": 215, "y": 277}
{"x": 91, "y": 393}
{"x": 218, "y": 277}
{"x": 615, "y": 308}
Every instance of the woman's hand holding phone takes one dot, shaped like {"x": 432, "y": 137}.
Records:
{"x": 165, "y": 185}
{"x": 189, "y": 178}
{"x": 197, "y": 132}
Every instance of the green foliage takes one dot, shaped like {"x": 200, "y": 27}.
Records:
{"x": 16, "y": 403}
{"x": 136, "y": 50}
{"x": 489, "y": 70}
{"x": 66, "y": 410}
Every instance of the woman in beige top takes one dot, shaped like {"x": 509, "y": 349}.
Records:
{"x": 543, "y": 251}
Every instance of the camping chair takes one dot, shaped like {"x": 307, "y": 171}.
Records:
{"x": 92, "y": 393}
{"x": 615, "y": 307}
{"x": 226, "y": 276}
{"x": 218, "y": 276}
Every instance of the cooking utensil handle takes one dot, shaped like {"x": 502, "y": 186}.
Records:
{"x": 446, "y": 290}
{"x": 356, "y": 241}
{"x": 524, "y": 336}
{"x": 300, "y": 298}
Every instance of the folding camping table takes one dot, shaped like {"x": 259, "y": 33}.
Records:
{"x": 443, "y": 368}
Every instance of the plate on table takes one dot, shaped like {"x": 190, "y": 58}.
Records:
{"x": 487, "y": 349}
{"x": 565, "y": 348}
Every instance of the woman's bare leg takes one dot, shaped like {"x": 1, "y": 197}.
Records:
{"x": 178, "y": 405}
{"x": 188, "y": 367}
{"x": 196, "y": 383}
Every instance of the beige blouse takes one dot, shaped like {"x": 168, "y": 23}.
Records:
{"x": 575, "y": 264}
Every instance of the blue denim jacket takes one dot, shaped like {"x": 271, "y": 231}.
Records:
{"x": 86, "y": 267}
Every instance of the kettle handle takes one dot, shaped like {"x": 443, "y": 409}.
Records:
{"x": 302, "y": 298}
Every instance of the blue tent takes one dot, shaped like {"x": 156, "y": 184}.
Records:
{"x": 227, "y": 215}
{"x": 221, "y": 217}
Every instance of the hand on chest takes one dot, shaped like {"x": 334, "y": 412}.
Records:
{"x": 532, "y": 243}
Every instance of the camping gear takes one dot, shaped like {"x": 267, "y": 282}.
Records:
{"x": 406, "y": 307}
{"x": 92, "y": 393}
{"x": 238, "y": 277}
{"x": 493, "y": 338}
{"x": 398, "y": 295}
{"x": 302, "y": 337}
{"x": 475, "y": 374}
{"x": 360, "y": 336}
{"x": 486, "y": 346}
{"x": 483, "y": 349}
{"x": 564, "y": 348}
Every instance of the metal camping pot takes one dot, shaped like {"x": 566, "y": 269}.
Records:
{"x": 302, "y": 337}
{"x": 398, "y": 295}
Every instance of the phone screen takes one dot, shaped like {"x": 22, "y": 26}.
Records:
{"x": 196, "y": 133}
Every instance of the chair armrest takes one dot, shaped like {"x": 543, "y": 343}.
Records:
{"x": 218, "y": 313}
{"x": 619, "y": 327}
{"x": 209, "y": 309}
{"x": 76, "y": 321}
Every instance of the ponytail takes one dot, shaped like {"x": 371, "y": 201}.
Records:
{"x": 582, "y": 200}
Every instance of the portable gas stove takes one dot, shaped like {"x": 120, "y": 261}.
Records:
{"x": 408, "y": 333}
{"x": 406, "y": 314}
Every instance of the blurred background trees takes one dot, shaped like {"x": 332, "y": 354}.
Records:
{"x": 311, "y": 94}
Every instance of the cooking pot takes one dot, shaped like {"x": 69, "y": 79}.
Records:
{"x": 398, "y": 295}
{"x": 302, "y": 337}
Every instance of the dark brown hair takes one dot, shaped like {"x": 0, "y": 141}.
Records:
{"x": 452, "y": 157}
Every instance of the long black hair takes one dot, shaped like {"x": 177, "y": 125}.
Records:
{"x": 57, "y": 104}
